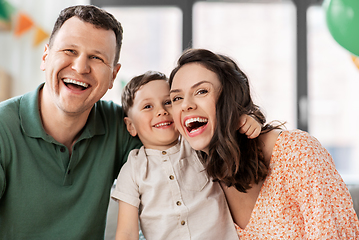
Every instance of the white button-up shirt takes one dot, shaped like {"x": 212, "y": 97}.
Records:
{"x": 175, "y": 197}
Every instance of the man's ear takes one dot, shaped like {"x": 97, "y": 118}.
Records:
{"x": 44, "y": 56}
{"x": 114, "y": 74}
{"x": 130, "y": 126}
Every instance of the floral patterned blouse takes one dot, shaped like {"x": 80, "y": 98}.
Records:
{"x": 303, "y": 196}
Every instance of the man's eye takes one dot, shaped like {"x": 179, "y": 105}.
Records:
{"x": 97, "y": 58}
{"x": 69, "y": 51}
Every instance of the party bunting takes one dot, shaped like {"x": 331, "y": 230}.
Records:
{"x": 40, "y": 35}
{"x": 6, "y": 10}
{"x": 355, "y": 60}
{"x": 5, "y": 26}
{"x": 24, "y": 23}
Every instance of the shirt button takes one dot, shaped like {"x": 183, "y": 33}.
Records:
{"x": 178, "y": 203}
{"x": 68, "y": 172}
{"x": 172, "y": 177}
{"x": 183, "y": 222}
{"x": 164, "y": 152}
{"x": 62, "y": 149}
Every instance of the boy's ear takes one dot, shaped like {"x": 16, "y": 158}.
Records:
{"x": 130, "y": 126}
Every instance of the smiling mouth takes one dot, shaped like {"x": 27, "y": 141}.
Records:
{"x": 162, "y": 124}
{"x": 194, "y": 124}
{"x": 73, "y": 84}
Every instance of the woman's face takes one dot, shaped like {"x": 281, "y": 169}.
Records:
{"x": 194, "y": 94}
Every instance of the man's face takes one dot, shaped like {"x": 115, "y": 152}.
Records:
{"x": 79, "y": 66}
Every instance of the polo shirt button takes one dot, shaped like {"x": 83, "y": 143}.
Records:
{"x": 164, "y": 152}
{"x": 183, "y": 223}
{"x": 62, "y": 149}
{"x": 172, "y": 177}
{"x": 178, "y": 203}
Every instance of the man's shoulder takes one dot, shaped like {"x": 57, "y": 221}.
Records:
{"x": 108, "y": 107}
{"x": 9, "y": 109}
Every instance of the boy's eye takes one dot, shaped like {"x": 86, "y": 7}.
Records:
{"x": 147, "y": 106}
{"x": 168, "y": 102}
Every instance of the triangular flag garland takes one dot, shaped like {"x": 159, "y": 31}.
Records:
{"x": 355, "y": 60}
{"x": 22, "y": 23}
{"x": 40, "y": 35}
{"x": 6, "y": 10}
{"x": 5, "y": 26}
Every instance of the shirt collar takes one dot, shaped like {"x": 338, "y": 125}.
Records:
{"x": 32, "y": 125}
{"x": 171, "y": 150}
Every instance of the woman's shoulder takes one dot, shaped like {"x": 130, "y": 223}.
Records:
{"x": 299, "y": 147}
{"x": 297, "y": 139}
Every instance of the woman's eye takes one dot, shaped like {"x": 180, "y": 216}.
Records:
{"x": 176, "y": 99}
{"x": 202, "y": 91}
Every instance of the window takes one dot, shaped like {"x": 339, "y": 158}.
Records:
{"x": 261, "y": 39}
{"x": 152, "y": 40}
{"x": 333, "y": 96}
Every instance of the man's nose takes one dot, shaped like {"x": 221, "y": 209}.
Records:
{"x": 81, "y": 64}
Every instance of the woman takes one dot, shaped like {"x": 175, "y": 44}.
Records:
{"x": 281, "y": 185}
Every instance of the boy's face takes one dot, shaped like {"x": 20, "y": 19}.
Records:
{"x": 151, "y": 116}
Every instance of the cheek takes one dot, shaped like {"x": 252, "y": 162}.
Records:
{"x": 177, "y": 120}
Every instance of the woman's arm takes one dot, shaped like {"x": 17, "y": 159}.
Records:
{"x": 127, "y": 222}
{"x": 324, "y": 199}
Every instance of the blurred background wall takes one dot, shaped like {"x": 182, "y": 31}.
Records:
{"x": 20, "y": 55}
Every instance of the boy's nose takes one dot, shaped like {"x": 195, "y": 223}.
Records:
{"x": 162, "y": 111}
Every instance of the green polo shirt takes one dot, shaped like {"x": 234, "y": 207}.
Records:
{"x": 45, "y": 193}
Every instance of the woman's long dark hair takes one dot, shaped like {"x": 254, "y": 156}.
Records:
{"x": 233, "y": 159}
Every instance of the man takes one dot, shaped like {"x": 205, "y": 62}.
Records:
{"x": 61, "y": 147}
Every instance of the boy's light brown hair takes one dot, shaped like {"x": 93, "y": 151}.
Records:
{"x": 129, "y": 91}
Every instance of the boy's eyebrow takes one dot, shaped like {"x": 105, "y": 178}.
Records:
{"x": 193, "y": 86}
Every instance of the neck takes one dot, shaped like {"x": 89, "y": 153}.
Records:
{"x": 63, "y": 127}
{"x": 160, "y": 147}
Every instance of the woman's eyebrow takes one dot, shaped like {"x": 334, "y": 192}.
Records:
{"x": 174, "y": 91}
{"x": 193, "y": 86}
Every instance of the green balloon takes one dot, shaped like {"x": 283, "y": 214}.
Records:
{"x": 342, "y": 17}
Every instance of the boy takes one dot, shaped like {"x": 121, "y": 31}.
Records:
{"x": 164, "y": 183}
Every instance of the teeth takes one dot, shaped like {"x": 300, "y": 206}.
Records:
{"x": 191, "y": 120}
{"x": 68, "y": 80}
{"x": 162, "y": 124}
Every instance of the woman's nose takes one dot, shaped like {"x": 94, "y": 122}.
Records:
{"x": 187, "y": 105}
